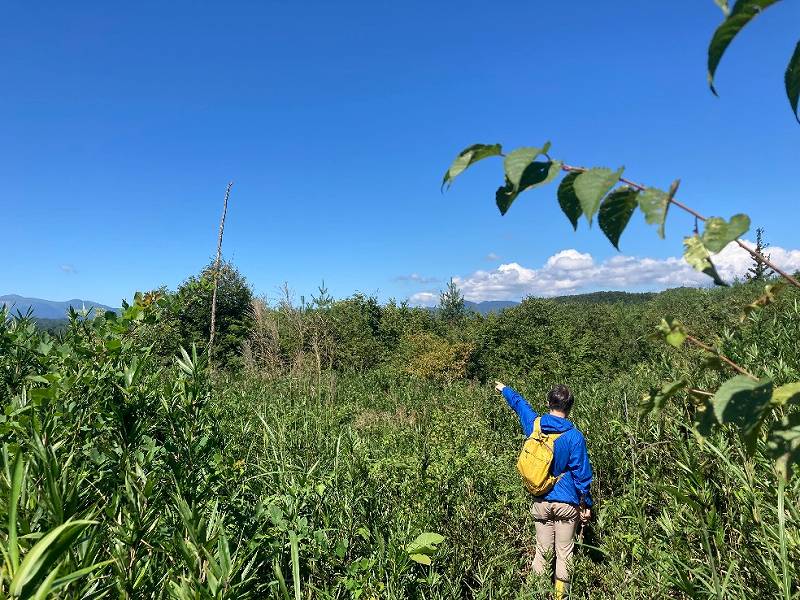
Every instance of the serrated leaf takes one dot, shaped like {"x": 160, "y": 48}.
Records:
{"x": 743, "y": 12}
{"x": 469, "y": 156}
{"x": 537, "y": 173}
{"x": 786, "y": 394}
{"x": 567, "y": 199}
{"x": 655, "y": 204}
{"x": 518, "y": 161}
{"x": 792, "y": 80}
{"x": 718, "y": 233}
{"x": 695, "y": 253}
{"x": 655, "y": 401}
{"x": 591, "y": 187}
{"x": 615, "y": 213}
{"x": 745, "y": 403}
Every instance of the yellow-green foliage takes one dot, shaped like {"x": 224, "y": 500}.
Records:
{"x": 431, "y": 356}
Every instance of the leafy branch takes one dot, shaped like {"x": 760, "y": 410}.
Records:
{"x": 589, "y": 191}
{"x": 744, "y": 400}
{"x": 716, "y": 224}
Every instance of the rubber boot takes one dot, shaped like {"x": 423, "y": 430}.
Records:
{"x": 562, "y": 590}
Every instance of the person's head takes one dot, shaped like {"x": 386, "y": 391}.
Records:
{"x": 560, "y": 398}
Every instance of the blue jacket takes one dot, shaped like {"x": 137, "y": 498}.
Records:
{"x": 570, "y": 458}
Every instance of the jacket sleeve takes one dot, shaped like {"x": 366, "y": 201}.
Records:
{"x": 524, "y": 411}
{"x": 581, "y": 470}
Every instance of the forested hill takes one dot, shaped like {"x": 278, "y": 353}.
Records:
{"x": 608, "y": 297}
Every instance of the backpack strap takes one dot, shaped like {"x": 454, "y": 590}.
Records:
{"x": 537, "y": 427}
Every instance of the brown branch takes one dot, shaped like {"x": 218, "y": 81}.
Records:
{"x": 700, "y": 392}
{"x": 771, "y": 265}
{"x": 697, "y": 215}
{"x": 722, "y": 357}
{"x": 216, "y": 268}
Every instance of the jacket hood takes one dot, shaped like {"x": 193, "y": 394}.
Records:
{"x": 553, "y": 424}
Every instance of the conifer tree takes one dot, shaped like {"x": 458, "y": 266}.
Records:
{"x": 759, "y": 271}
{"x": 451, "y": 303}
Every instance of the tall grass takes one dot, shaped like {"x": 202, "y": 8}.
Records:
{"x": 124, "y": 477}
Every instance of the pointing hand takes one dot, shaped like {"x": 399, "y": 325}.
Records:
{"x": 499, "y": 386}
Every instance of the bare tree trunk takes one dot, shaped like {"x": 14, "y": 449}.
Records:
{"x": 216, "y": 269}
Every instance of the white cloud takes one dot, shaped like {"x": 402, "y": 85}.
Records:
{"x": 492, "y": 257}
{"x": 67, "y": 268}
{"x": 423, "y": 299}
{"x": 570, "y": 271}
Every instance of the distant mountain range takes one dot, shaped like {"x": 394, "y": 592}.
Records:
{"x": 489, "y": 306}
{"x": 48, "y": 309}
{"x": 494, "y": 306}
{"x": 54, "y": 310}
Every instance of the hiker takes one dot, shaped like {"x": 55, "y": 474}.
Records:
{"x": 561, "y": 490}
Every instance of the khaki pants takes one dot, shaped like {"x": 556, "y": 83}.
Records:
{"x": 556, "y": 523}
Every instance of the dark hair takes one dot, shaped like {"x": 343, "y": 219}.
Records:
{"x": 560, "y": 398}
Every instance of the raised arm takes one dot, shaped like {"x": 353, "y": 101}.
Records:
{"x": 520, "y": 406}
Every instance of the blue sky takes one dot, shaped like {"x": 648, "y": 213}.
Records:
{"x": 122, "y": 124}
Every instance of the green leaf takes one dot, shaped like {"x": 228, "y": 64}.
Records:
{"x": 672, "y": 331}
{"x": 718, "y": 233}
{"x": 276, "y": 569}
{"x": 792, "y": 81}
{"x": 695, "y": 253}
{"x": 615, "y": 213}
{"x": 537, "y": 173}
{"x": 518, "y": 161}
{"x": 295, "y": 553}
{"x": 44, "y": 589}
{"x": 591, "y": 187}
{"x": 655, "y": 204}
{"x": 743, "y": 12}
{"x": 786, "y": 394}
{"x": 44, "y": 555}
{"x": 421, "y": 559}
{"x": 655, "y": 401}
{"x": 568, "y": 200}
{"x": 17, "y": 479}
{"x": 470, "y": 156}
{"x": 745, "y": 403}
{"x": 65, "y": 580}
{"x": 424, "y": 545}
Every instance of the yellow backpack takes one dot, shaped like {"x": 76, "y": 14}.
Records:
{"x": 535, "y": 462}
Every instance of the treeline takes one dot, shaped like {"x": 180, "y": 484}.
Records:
{"x": 592, "y": 335}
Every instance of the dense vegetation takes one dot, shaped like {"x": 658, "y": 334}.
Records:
{"x": 330, "y": 435}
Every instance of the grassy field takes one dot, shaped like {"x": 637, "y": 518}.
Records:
{"x": 125, "y": 474}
